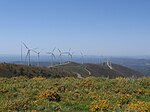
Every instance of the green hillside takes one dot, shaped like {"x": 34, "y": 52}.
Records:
{"x": 12, "y": 70}
{"x": 67, "y": 69}
{"x": 100, "y": 71}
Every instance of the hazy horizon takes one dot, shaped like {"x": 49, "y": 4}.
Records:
{"x": 94, "y": 27}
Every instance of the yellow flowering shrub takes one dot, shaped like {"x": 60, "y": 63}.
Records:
{"x": 100, "y": 106}
{"x": 123, "y": 99}
{"x": 139, "y": 106}
{"x": 49, "y": 94}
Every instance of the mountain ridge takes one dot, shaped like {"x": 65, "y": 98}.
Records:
{"x": 68, "y": 69}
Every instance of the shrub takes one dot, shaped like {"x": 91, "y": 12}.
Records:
{"x": 50, "y": 95}
{"x": 101, "y": 106}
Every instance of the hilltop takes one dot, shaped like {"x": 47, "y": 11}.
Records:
{"x": 67, "y": 69}
{"x": 100, "y": 70}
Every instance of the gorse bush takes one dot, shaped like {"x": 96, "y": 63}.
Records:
{"x": 50, "y": 95}
{"x": 70, "y": 94}
{"x": 140, "y": 106}
{"x": 101, "y": 106}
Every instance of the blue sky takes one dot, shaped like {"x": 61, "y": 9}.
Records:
{"x": 95, "y": 27}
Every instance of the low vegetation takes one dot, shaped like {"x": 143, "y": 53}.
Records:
{"x": 70, "y": 94}
{"x": 13, "y": 70}
{"x": 76, "y": 69}
{"x": 66, "y": 70}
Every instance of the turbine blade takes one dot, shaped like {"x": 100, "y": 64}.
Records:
{"x": 60, "y": 55}
{"x": 54, "y": 49}
{"x": 53, "y": 55}
{"x": 27, "y": 54}
{"x": 59, "y": 50}
{"x": 35, "y": 51}
{"x": 70, "y": 55}
{"x": 25, "y": 45}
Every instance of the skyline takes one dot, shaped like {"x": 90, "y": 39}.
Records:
{"x": 94, "y": 27}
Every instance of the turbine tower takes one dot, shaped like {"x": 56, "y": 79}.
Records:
{"x": 21, "y": 52}
{"x": 28, "y": 52}
{"x": 69, "y": 55}
{"x": 52, "y": 56}
{"x": 72, "y": 56}
{"x": 60, "y": 56}
{"x": 38, "y": 54}
{"x": 82, "y": 58}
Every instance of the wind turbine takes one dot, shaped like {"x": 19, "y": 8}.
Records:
{"x": 21, "y": 52}
{"x": 38, "y": 54}
{"x": 52, "y": 56}
{"x": 70, "y": 55}
{"x": 61, "y": 53}
{"x": 60, "y": 56}
{"x": 82, "y": 57}
{"x": 28, "y": 52}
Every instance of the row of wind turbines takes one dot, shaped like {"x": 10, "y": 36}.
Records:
{"x": 51, "y": 53}
{"x": 52, "y": 56}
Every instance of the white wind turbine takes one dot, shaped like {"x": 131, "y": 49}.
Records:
{"x": 52, "y": 56}
{"x": 82, "y": 58}
{"x": 28, "y": 52}
{"x": 61, "y": 53}
{"x": 60, "y": 56}
{"x": 70, "y": 55}
{"x": 38, "y": 54}
{"x": 21, "y": 52}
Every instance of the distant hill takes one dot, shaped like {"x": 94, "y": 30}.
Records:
{"x": 116, "y": 71}
{"x": 12, "y": 70}
{"x": 99, "y": 70}
{"x": 67, "y": 69}
{"x": 141, "y": 65}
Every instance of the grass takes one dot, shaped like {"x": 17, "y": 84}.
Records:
{"x": 76, "y": 69}
{"x": 74, "y": 95}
